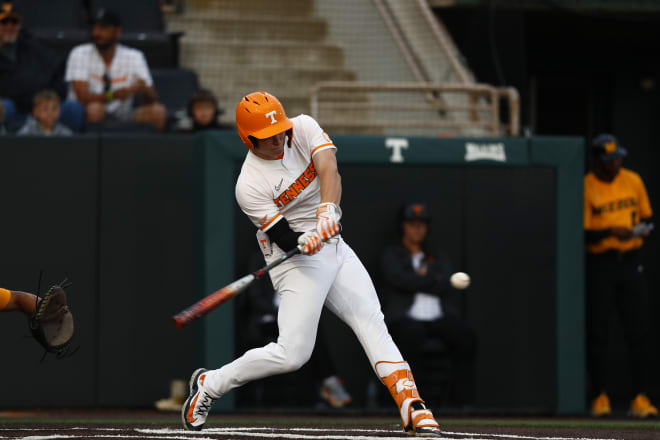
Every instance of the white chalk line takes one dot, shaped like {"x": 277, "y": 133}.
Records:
{"x": 237, "y": 430}
{"x": 180, "y": 434}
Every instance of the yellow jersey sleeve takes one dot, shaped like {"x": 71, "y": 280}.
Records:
{"x": 5, "y": 295}
{"x": 645, "y": 210}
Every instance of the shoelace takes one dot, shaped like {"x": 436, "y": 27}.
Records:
{"x": 205, "y": 404}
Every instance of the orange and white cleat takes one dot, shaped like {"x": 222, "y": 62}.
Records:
{"x": 196, "y": 408}
{"x": 417, "y": 420}
{"x": 600, "y": 406}
{"x": 642, "y": 407}
{"x": 422, "y": 422}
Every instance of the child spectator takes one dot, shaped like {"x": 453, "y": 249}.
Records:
{"x": 45, "y": 113}
{"x": 204, "y": 111}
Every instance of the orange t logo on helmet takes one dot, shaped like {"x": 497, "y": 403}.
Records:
{"x": 260, "y": 115}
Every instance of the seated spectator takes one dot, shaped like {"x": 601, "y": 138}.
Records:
{"x": 45, "y": 113}
{"x": 202, "y": 113}
{"x": 106, "y": 77}
{"x": 416, "y": 291}
{"x": 27, "y": 67}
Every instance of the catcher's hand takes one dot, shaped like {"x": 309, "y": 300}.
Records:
{"x": 52, "y": 322}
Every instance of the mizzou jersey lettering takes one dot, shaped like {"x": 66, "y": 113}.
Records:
{"x": 620, "y": 203}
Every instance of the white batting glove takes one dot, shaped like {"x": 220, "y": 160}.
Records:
{"x": 310, "y": 243}
{"x": 327, "y": 220}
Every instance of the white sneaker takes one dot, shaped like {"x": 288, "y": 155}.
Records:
{"x": 198, "y": 404}
{"x": 333, "y": 391}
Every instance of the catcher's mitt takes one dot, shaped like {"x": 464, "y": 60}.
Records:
{"x": 52, "y": 322}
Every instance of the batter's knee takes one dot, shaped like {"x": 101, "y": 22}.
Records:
{"x": 295, "y": 358}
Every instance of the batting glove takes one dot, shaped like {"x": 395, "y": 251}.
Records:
{"x": 327, "y": 220}
{"x": 310, "y": 243}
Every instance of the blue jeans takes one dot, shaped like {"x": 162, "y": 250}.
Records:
{"x": 72, "y": 114}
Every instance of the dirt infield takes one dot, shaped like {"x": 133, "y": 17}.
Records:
{"x": 44, "y": 425}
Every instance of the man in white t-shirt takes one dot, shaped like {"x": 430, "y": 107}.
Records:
{"x": 290, "y": 188}
{"x": 106, "y": 76}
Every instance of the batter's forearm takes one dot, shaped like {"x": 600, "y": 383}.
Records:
{"x": 331, "y": 187}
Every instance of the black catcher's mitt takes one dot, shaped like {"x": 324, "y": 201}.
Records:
{"x": 52, "y": 322}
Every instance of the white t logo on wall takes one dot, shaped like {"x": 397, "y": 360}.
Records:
{"x": 271, "y": 115}
{"x": 396, "y": 144}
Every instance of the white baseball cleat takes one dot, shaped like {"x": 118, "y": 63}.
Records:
{"x": 422, "y": 422}
{"x": 196, "y": 408}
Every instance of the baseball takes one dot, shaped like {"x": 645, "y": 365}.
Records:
{"x": 460, "y": 280}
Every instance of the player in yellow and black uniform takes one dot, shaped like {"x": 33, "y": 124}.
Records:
{"x": 15, "y": 300}
{"x": 617, "y": 216}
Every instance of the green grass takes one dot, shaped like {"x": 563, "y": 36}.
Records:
{"x": 369, "y": 421}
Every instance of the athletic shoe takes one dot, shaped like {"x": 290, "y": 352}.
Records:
{"x": 333, "y": 391}
{"x": 422, "y": 422}
{"x": 198, "y": 404}
{"x": 641, "y": 407}
{"x": 601, "y": 406}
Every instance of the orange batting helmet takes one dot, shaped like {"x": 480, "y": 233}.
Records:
{"x": 260, "y": 115}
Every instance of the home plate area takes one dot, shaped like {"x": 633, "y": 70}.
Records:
{"x": 255, "y": 432}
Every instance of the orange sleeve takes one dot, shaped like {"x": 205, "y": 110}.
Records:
{"x": 4, "y": 298}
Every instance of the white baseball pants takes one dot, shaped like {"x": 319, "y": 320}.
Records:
{"x": 335, "y": 277}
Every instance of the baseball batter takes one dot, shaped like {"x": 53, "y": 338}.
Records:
{"x": 290, "y": 189}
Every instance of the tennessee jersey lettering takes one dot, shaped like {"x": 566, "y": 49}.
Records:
{"x": 296, "y": 187}
{"x": 620, "y": 203}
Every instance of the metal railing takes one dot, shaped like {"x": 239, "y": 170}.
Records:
{"x": 478, "y": 107}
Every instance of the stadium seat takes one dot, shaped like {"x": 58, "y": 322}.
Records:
{"x": 136, "y": 16}
{"x": 160, "y": 49}
{"x": 174, "y": 87}
{"x": 52, "y": 14}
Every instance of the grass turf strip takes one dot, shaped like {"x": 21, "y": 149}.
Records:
{"x": 513, "y": 423}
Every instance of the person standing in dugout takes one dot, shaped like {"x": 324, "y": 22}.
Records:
{"x": 616, "y": 220}
{"x": 290, "y": 189}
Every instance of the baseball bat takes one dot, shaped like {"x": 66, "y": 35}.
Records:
{"x": 221, "y": 296}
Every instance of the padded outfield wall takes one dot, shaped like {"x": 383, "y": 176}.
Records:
{"x": 144, "y": 225}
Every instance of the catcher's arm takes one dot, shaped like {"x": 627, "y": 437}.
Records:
{"x": 22, "y": 301}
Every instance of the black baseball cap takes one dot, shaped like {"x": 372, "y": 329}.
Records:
{"x": 106, "y": 16}
{"x": 415, "y": 211}
{"x": 607, "y": 147}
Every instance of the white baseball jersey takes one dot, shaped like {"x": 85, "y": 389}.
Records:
{"x": 269, "y": 190}
{"x": 128, "y": 65}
